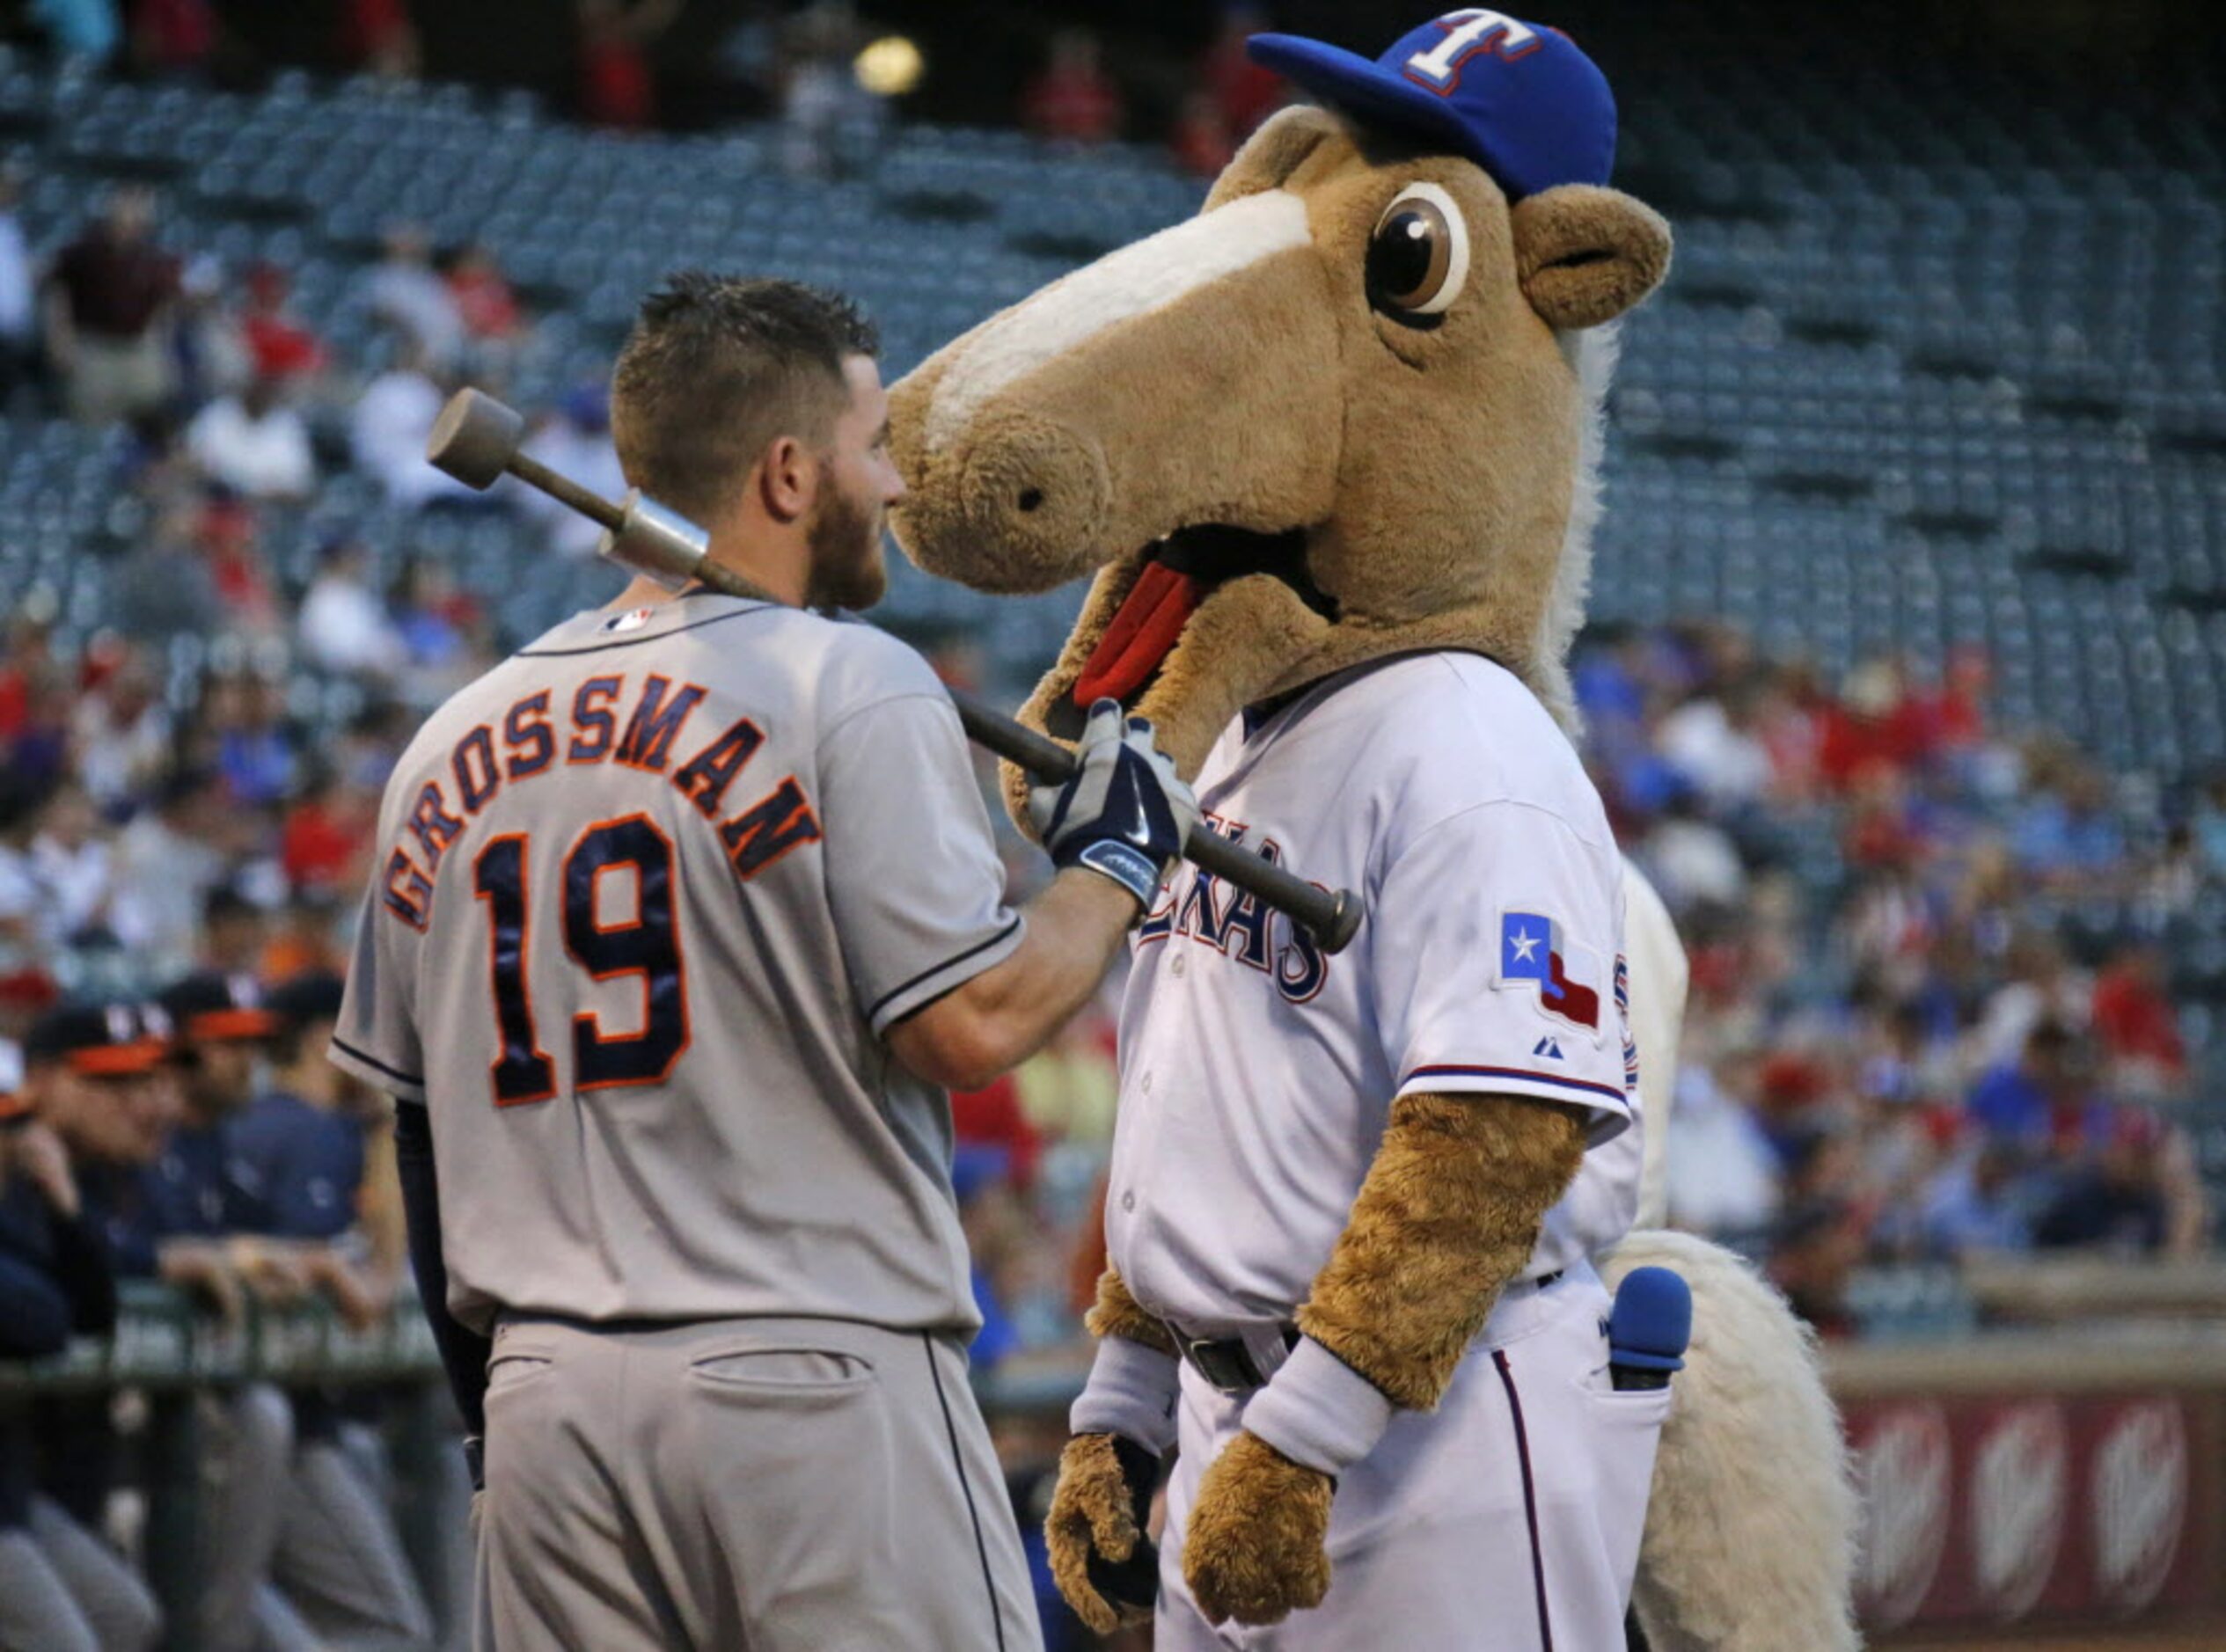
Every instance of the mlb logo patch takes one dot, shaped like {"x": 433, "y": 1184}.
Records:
{"x": 1535, "y": 952}
{"x": 633, "y": 619}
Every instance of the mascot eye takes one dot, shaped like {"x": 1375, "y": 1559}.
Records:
{"x": 1418, "y": 257}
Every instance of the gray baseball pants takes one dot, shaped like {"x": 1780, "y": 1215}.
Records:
{"x": 747, "y": 1484}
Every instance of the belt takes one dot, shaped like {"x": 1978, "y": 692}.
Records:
{"x": 1233, "y": 1365}
{"x": 1228, "y": 1363}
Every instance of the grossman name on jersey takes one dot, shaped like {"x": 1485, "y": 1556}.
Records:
{"x": 533, "y": 744}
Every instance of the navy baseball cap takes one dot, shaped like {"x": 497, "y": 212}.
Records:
{"x": 1519, "y": 98}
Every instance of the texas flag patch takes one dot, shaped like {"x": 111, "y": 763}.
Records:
{"x": 1531, "y": 949}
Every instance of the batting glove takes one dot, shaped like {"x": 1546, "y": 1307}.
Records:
{"x": 1125, "y": 813}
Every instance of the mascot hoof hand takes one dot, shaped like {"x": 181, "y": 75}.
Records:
{"x": 1105, "y": 1566}
{"x": 1253, "y": 1551}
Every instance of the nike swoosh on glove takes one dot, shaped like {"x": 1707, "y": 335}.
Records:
{"x": 1125, "y": 813}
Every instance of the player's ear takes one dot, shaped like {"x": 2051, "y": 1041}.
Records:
{"x": 787, "y": 480}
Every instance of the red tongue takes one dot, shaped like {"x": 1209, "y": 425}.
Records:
{"x": 1150, "y": 620}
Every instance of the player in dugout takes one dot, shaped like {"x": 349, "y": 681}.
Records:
{"x": 78, "y": 1118}
{"x": 687, "y": 914}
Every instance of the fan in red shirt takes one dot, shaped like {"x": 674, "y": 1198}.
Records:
{"x": 2136, "y": 1022}
{"x": 1074, "y": 98}
{"x": 280, "y": 347}
{"x": 484, "y": 297}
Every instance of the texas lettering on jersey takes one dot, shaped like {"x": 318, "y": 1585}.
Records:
{"x": 645, "y": 727}
{"x": 1236, "y": 924}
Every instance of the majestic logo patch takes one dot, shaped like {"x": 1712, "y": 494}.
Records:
{"x": 1532, "y": 948}
{"x": 1548, "y": 1047}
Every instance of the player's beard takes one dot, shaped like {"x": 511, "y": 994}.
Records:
{"x": 843, "y": 537}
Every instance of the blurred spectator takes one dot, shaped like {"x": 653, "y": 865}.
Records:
{"x": 2115, "y": 1202}
{"x": 1243, "y": 92}
{"x": 254, "y": 443}
{"x": 87, "y": 30}
{"x": 164, "y": 588}
{"x": 233, "y": 931}
{"x": 1201, "y": 140}
{"x": 992, "y": 1119}
{"x": 209, "y": 350}
{"x": 167, "y": 861}
{"x": 1068, "y": 1089}
{"x": 2038, "y": 984}
{"x": 484, "y": 301}
{"x": 18, "y": 292}
{"x": 393, "y": 417}
{"x": 403, "y": 288}
{"x": 378, "y": 36}
{"x": 327, "y": 834}
{"x": 22, "y": 901}
{"x": 1721, "y": 1172}
{"x": 830, "y": 123}
{"x": 71, "y": 862}
{"x": 1978, "y": 1202}
{"x": 442, "y": 631}
{"x": 173, "y": 37}
{"x": 2064, "y": 833}
{"x": 1073, "y": 98}
{"x": 1812, "y": 1257}
{"x": 230, "y": 548}
{"x": 121, "y": 733}
{"x": 1693, "y": 861}
{"x": 616, "y": 87}
{"x": 576, "y": 441}
{"x": 343, "y": 625}
{"x": 2043, "y": 1097}
{"x": 112, "y": 297}
{"x": 1710, "y": 740}
{"x": 245, "y": 709}
{"x": 2137, "y": 1023}
{"x": 280, "y": 347}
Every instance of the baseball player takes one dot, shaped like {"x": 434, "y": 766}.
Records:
{"x": 1258, "y": 1079}
{"x": 683, "y": 914}
{"x": 61, "y": 1587}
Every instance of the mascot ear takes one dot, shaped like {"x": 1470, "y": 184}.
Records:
{"x": 1586, "y": 255}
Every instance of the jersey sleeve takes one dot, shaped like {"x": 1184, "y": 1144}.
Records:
{"x": 1494, "y": 936}
{"x": 376, "y": 1037}
{"x": 912, "y": 871}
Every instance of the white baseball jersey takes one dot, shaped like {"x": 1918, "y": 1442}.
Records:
{"x": 648, "y": 893}
{"x": 1257, "y": 1074}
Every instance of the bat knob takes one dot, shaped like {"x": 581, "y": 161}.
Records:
{"x": 1343, "y": 924}
{"x": 475, "y": 438}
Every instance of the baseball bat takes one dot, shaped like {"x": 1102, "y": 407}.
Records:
{"x": 476, "y": 440}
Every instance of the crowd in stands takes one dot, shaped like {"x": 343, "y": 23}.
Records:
{"x": 1897, "y": 1049}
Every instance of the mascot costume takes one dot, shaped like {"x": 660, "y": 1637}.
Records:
{"x": 1330, "y": 450}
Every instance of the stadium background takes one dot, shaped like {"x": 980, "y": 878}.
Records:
{"x": 1907, "y": 679}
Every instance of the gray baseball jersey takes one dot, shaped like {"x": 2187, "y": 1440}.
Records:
{"x": 647, "y": 896}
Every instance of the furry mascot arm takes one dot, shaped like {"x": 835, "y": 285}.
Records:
{"x": 1449, "y": 1213}
{"x": 1124, "y": 1422}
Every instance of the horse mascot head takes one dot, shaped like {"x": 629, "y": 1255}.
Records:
{"x": 1350, "y": 412}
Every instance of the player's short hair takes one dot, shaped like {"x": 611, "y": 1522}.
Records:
{"x": 719, "y": 366}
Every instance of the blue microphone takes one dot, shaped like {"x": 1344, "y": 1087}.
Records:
{"x": 1648, "y": 1328}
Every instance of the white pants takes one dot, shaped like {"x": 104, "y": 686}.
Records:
{"x": 1507, "y": 1520}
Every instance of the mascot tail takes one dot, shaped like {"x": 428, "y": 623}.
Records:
{"x": 1751, "y": 1530}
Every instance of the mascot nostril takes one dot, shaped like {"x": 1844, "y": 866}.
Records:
{"x": 1332, "y": 448}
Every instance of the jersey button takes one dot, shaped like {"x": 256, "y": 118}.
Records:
{"x": 1144, "y": 1084}
{"x": 1128, "y": 1200}
{"x": 1178, "y": 966}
